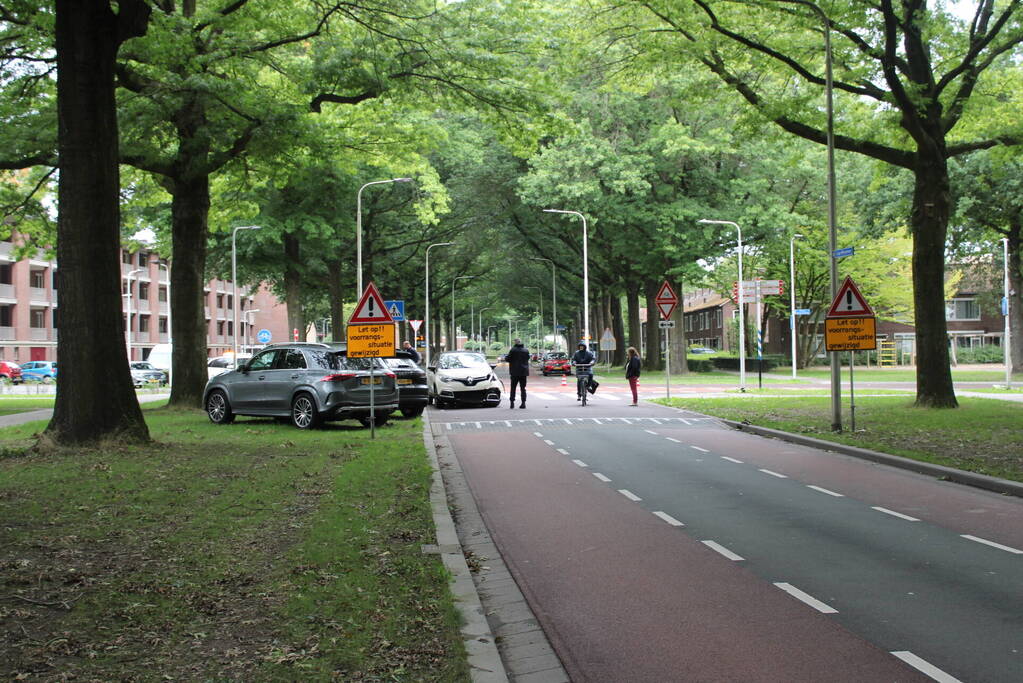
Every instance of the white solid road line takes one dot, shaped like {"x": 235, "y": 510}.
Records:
{"x": 824, "y": 490}
{"x": 737, "y": 462}
{"x": 668, "y": 518}
{"x": 562, "y": 451}
{"x": 629, "y": 494}
{"x": 925, "y": 667}
{"x": 650, "y": 431}
{"x": 808, "y": 599}
{"x": 580, "y": 463}
{"x": 1006, "y": 548}
{"x": 702, "y": 450}
{"x": 723, "y": 550}
{"x": 600, "y": 476}
{"x": 671, "y": 439}
{"x": 773, "y": 474}
{"x": 893, "y": 513}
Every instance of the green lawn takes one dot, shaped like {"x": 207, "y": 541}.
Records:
{"x": 250, "y": 552}
{"x": 9, "y": 405}
{"x": 865, "y": 374}
{"x": 982, "y": 435}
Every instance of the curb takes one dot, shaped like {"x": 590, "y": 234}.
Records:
{"x": 484, "y": 660}
{"x": 983, "y": 481}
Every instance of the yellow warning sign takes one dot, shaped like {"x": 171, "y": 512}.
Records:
{"x": 850, "y": 334}
{"x": 371, "y": 341}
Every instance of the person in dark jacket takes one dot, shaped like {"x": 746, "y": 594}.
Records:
{"x": 585, "y": 357}
{"x": 407, "y": 347}
{"x": 632, "y": 367}
{"x": 518, "y": 369}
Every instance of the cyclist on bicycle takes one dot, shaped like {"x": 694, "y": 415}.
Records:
{"x": 583, "y": 359}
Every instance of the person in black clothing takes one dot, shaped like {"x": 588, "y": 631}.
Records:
{"x": 408, "y": 348}
{"x": 632, "y": 373}
{"x": 518, "y": 369}
{"x": 584, "y": 356}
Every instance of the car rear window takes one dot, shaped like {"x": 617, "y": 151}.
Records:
{"x": 363, "y": 363}
{"x": 324, "y": 360}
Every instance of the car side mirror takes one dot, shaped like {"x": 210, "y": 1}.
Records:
{"x": 432, "y": 368}
{"x": 493, "y": 367}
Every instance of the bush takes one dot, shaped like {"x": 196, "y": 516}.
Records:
{"x": 732, "y": 363}
{"x": 981, "y": 354}
{"x": 701, "y": 365}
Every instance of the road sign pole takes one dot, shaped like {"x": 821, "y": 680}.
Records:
{"x": 760, "y": 339}
{"x": 852, "y": 395}
{"x": 372, "y": 403}
{"x": 667, "y": 362}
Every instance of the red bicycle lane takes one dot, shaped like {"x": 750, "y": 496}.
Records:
{"x": 624, "y": 596}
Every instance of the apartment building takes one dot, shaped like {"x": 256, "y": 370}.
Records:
{"x": 29, "y": 299}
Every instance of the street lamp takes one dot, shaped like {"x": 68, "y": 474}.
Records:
{"x": 1005, "y": 311}
{"x": 487, "y": 308}
{"x": 170, "y": 326}
{"x": 554, "y": 296}
{"x": 426, "y": 317}
{"x": 234, "y": 283}
{"x": 358, "y": 227}
{"x": 586, "y": 277}
{"x": 742, "y": 315}
{"x": 539, "y": 292}
{"x": 248, "y": 330}
{"x": 454, "y": 331}
{"x": 792, "y": 297}
{"x": 137, "y": 270}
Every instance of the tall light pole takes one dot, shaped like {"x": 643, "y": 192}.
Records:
{"x": 358, "y": 228}
{"x": 742, "y": 314}
{"x": 426, "y": 316}
{"x": 248, "y": 330}
{"x": 554, "y": 297}
{"x": 454, "y": 330}
{"x": 128, "y": 326}
{"x": 586, "y": 277}
{"x": 539, "y": 294}
{"x": 1008, "y": 332}
{"x": 170, "y": 326}
{"x": 487, "y": 308}
{"x": 792, "y": 297}
{"x": 234, "y": 283}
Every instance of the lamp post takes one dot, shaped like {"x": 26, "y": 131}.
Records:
{"x": 586, "y": 277}
{"x": 454, "y": 330}
{"x": 128, "y": 326}
{"x": 539, "y": 292}
{"x": 170, "y": 326}
{"x": 358, "y": 227}
{"x": 234, "y": 283}
{"x": 554, "y": 297}
{"x": 248, "y": 330}
{"x": 426, "y": 316}
{"x": 487, "y": 308}
{"x": 1008, "y": 334}
{"x": 792, "y": 297}
{"x": 489, "y": 337}
{"x": 742, "y": 315}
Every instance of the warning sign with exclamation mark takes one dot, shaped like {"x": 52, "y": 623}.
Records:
{"x": 849, "y": 303}
{"x": 371, "y": 308}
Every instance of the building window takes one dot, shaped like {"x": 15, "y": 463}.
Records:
{"x": 962, "y": 309}
{"x": 144, "y": 290}
{"x": 230, "y": 301}
{"x": 220, "y": 301}
{"x": 55, "y": 318}
{"x": 143, "y": 259}
{"x": 126, "y": 258}
{"x": 7, "y": 315}
{"x": 124, "y": 287}
{"x": 37, "y": 318}
{"x": 230, "y": 328}
{"x": 162, "y": 294}
{"x": 54, "y": 279}
{"x": 5, "y": 274}
{"x": 143, "y": 323}
{"x": 163, "y": 325}
{"x": 37, "y": 279}
{"x": 220, "y": 328}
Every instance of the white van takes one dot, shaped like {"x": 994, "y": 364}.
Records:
{"x": 160, "y": 357}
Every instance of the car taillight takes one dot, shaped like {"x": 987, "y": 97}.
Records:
{"x": 338, "y": 377}
{"x": 390, "y": 374}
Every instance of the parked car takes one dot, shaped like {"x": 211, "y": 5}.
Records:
{"x": 701, "y": 349}
{"x": 306, "y": 383}
{"x": 10, "y": 372}
{"x": 222, "y": 364}
{"x": 44, "y": 371}
{"x": 463, "y": 377}
{"x": 413, "y": 393}
{"x": 144, "y": 373}
{"x": 556, "y": 363}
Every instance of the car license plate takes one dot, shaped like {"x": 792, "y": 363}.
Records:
{"x": 404, "y": 381}
{"x": 376, "y": 380}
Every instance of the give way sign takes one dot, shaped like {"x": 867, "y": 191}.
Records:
{"x": 666, "y": 300}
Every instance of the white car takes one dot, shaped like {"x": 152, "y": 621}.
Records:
{"x": 222, "y": 364}
{"x": 463, "y": 377}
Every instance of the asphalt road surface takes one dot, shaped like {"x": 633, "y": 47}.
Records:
{"x": 657, "y": 545}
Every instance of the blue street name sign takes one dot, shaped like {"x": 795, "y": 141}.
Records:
{"x": 802, "y": 311}
{"x": 844, "y": 251}
{"x": 264, "y": 336}
{"x": 1005, "y": 306}
{"x": 396, "y": 309}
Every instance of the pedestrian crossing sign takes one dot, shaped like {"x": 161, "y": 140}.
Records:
{"x": 397, "y": 310}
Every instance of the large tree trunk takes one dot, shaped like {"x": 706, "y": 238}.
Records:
{"x": 293, "y": 283}
{"x": 632, "y": 304}
{"x": 652, "y": 360}
{"x": 618, "y": 326}
{"x": 1015, "y": 236}
{"x": 190, "y": 206}
{"x": 95, "y": 399}
{"x": 337, "y": 300}
{"x": 929, "y": 221}
{"x": 677, "y": 338}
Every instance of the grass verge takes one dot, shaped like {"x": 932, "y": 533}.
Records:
{"x": 982, "y": 435}
{"x": 251, "y": 552}
{"x": 10, "y": 406}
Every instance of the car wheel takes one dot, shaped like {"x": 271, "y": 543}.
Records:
{"x": 48, "y": 380}
{"x": 381, "y": 420}
{"x": 303, "y": 412}
{"x": 412, "y": 412}
{"x": 544, "y": 374}
{"x": 218, "y": 408}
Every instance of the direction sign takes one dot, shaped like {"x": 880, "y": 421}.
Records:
{"x": 666, "y": 300}
{"x": 802, "y": 311}
{"x": 749, "y": 289}
{"x": 849, "y": 303}
{"x": 414, "y": 324}
{"x": 666, "y": 324}
{"x": 850, "y": 334}
{"x": 371, "y": 308}
{"x": 371, "y": 341}
{"x": 608, "y": 341}
{"x": 264, "y": 336}
{"x": 396, "y": 309}
{"x": 844, "y": 251}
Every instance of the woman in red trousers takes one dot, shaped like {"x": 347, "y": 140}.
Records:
{"x": 632, "y": 366}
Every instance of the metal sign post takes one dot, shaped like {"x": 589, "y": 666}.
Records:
{"x": 852, "y": 396}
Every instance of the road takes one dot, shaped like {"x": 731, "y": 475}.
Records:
{"x": 657, "y": 545}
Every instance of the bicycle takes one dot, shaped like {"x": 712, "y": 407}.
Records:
{"x": 583, "y": 374}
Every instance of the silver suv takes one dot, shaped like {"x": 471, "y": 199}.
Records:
{"x": 305, "y": 383}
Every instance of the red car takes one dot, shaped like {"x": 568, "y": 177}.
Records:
{"x": 556, "y": 363}
{"x": 10, "y": 372}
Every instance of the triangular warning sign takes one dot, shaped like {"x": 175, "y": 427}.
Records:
{"x": 371, "y": 308}
{"x": 666, "y": 308}
{"x": 849, "y": 303}
{"x": 666, "y": 293}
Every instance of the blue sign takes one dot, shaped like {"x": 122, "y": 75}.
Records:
{"x": 396, "y": 309}
{"x": 562, "y": 327}
{"x": 1005, "y": 306}
{"x": 844, "y": 251}
{"x": 264, "y": 336}
{"x": 802, "y": 311}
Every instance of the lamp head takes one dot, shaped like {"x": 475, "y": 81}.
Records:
{"x": 797, "y": 236}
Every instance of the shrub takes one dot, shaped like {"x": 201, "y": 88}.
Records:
{"x": 732, "y": 363}
{"x": 701, "y": 365}
{"x": 981, "y": 354}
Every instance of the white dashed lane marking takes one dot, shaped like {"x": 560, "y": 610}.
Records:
{"x": 806, "y": 598}
{"x": 668, "y": 518}
{"x": 671, "y": 439}
{"x": 773, "y": 474}
{"x": 650, "y": 431}
{"x": 629, "y": 494}
{"x": 925, "y": 667}
{"x": 562, "y": 451}
{"x": 702, "y": 450}
{"x": 723, "y": 550}
{"x": 548, "y": 442}
{"x": 580, "y": 463}
{"x": 1006, "y": 548}
{"x": 737, "y": 462}
{"x": 893, "y": 513}
{"x": 824, "y": 490}
{"x": 600, "y": 476}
